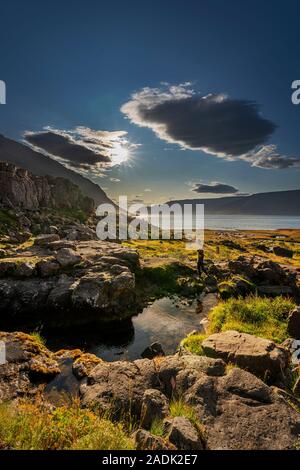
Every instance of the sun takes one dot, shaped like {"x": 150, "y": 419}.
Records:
{"x": 120, "y": 153}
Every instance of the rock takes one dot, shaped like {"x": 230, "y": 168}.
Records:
{"x": 260, "y": 356}
{"x": 44, "y": 239}
{"x": 119, "y": 386}
{"x": 67, "y": 257}
{"x": 237, "y": 409}
{"x": 274, "y": 291}
{"x": 23, "y": 270}
{"x": 155, "y": 405}
{"x": 22, "y": 189}
{"x": 155, "y": 349}
{"x": 183, "y": 434}
{"x": 84, "y": 364}
{"x": 294, "y": 323}
{"x": 231, "y": 244}
{"x": 282, "y": 251}
{"x": 53, "y": 229}
{"x": 48, "y": 267}
{"x": 7, "y": 268}
{"x": 146, "y": 441}
{"x": 28, "y": 364}
{"x": 242, "y": 266}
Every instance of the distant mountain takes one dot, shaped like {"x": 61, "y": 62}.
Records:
{"x": 39, "y": 164}
{"x": 274, "y": 203}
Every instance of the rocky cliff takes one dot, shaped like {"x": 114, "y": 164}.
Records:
{"x": 22, "y": 189}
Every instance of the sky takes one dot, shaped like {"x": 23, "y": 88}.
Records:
{"x": 157, "y": 100}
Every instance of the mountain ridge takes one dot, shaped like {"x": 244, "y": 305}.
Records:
{"x": 269, "y": 203}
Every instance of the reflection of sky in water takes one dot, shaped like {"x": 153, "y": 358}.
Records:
{"x": 166, "y": 321}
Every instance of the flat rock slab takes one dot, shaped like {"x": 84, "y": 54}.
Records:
{"x": 257, "y": 355}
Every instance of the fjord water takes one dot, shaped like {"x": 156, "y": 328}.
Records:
{"x": 251, "y": 222}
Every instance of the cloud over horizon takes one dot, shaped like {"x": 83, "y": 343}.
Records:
{"x": 214, "y": 188}
{"x": 215, "y": 123}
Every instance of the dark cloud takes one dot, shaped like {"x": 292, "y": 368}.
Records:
{"x": 214, "y": 188}
{"x": 63, "y": 147}
{"x": 214, "y": 123}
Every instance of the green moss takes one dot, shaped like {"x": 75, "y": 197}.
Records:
{"x": 259, "y": 316}
{"x": 194, "y": 343}
{"x": 171, "y": 278}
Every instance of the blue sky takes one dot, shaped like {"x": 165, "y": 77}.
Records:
{"x": 76, "y": 64}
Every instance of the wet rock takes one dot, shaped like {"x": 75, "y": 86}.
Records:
{"x": 294, "y": 323}
{"x": 155, "y": 349}
{"x": 67, "y": 257}
{"x": 260, "y": 356}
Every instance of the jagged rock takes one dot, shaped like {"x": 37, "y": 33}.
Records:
{"x": 45, "y": 239}
{"x": 282, "y": 251}
{"x": 258, "y": 355}
{"x": 155, "y": 405}
{"x": 67, "y": 257}
{"x": 22, "y": 189}
{"x": 144, "y": 440}
{"x": 155, "y": 349}
{"x": 183, "y": 434}
{"x": 294, "y": 323}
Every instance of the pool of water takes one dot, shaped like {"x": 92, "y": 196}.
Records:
{"x": 167, "y": 320}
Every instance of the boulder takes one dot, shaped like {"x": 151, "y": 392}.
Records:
{"x": 183, "y": 434}
{"x": 155, "y": 405}
{"x": 155, "y": 349}
{"x": 23, "y": 270}
{"x": 44, "y": 239}
{"x": 258, "y": 355}
{"x": 67, "y": 257}
{"x": 144, "y": 440}
{"x": 48, "y": 267}
{"x": 282, "y": 251}
{"x": 294, "y": 323}
{"x": 28, "y": 364}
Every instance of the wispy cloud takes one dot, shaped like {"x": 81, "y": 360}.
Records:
{"x": 82, "y": 148}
